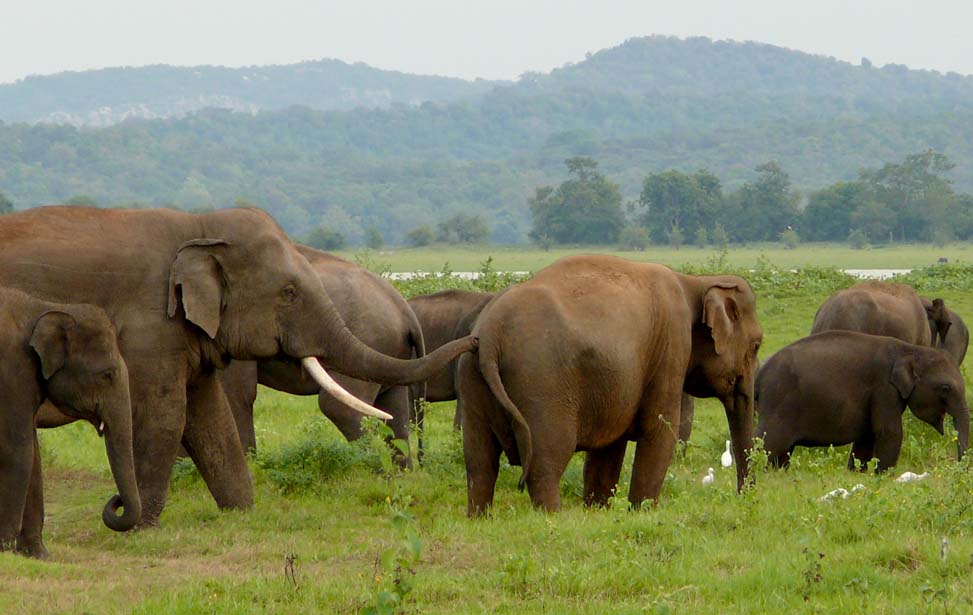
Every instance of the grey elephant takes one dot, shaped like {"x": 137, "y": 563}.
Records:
{"x": 844, "y": 387}
{"x": 591, "y": 353}
{"x": 943, "y": 320}
{"x": 376, "y": 314}
{"x": 67, "y": 353}
{"x": 187, "y": 293}
{"x": 445, "y": 316}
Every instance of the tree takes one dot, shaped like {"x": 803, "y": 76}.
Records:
{"x": 828, "y": 213}
{"x": 373, "y": 238}
{"x": 634, "y": 237}
{"x": 420, "y": 236}
{"x": 82, "y": 200}
{"x": 325, "y": 239}
{"x": 6, "y": 205}
{"x": 584, "y": 209}
{"x": 463, "y": 228}
{"x": 761, "y": 210}
{"x": 702, "y": 237}
{"x": 675, "y": 198}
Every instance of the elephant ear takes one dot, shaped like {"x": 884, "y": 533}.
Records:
{"x": 904, "y": 374}
{"x": 720, "y": 313}
{"x": 198, "y": 276}
{"x": 49, "y": 339}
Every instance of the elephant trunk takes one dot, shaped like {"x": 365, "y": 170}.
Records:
{"x": 739, "y": 416}
{"x": 118, "y": 443}
{"x": 961, "y": 421}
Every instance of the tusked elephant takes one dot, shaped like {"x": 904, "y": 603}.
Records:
{"x": 942, "y": 319}
{"x": 842, "y": 387}
{"x": 592, "y": 352}
{"x": 376, "y": 314}
{"x": 445, "y": 316}
{"x": 880, "y": 308}
{"x": 67, "y": 353}
{"x": 186, "y": 293}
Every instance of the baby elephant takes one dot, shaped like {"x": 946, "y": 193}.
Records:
{"x": 842, "y": 387}
{"x": 67, "y": 353}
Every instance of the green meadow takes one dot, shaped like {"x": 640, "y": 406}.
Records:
{"x": 337, "y": 529}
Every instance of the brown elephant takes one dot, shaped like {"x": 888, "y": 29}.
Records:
{"x": 67, "y": 353}
{"x": 879, "y": 308}
{"x": 592, "y": 352}
{"x": 842, "y": 387}
{"x": 943, "y": 320}
{"x": 377, "y": 315}
{"x": 445, "y": 316}
{"x": 188, "y": 292}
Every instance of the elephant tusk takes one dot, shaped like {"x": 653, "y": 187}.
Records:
{"x": 101, "y": 428}
{"x": 321, "y": 376}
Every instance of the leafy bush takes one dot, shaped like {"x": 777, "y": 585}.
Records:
{"x": 489, "y": 280}
{"x": 373, "y": 238}
{"x": 634, "y": 238}
{"x": 421, "y": 236}
{"x": 325, "y": 239}
{"x": 939, "y": 277}
{"x": 790, "y": 238}
{"x": 702, "y": 237}
{"x": 857, "y": 239}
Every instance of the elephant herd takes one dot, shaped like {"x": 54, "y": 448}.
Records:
{"x": 156, "y": 326}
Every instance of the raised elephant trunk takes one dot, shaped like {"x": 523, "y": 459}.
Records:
{"x": 961, "y": 421}
{"x": 118, "y": 443}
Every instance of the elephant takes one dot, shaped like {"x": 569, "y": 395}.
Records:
{"x": 943, "y": 319}
{"x": 592, "y": 352}
{"x": 187, "y": 293}
{"x": 880, "y": 308}
{"x": 445, "y": 316}
{"x": 842, "y": 387}
{"x": 376, "y": 314}
{"x": 67, "y": 353}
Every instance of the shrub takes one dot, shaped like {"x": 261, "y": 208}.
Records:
{"x": 675, "y": 236}
{"x": 720, "y": 237}
{"x": 857, "y": 239}
{"x": 325, "y": 239}
{"x": 420, "y": 236}
{"x": 373, "y": 238}
{"x": 702, "y": 237}
{"x": 634, "y": 237}
{"x": 790, "y": 238}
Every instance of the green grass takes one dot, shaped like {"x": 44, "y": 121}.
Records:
{"x": 703, "y": 549}
{"x": 520, "y": 258}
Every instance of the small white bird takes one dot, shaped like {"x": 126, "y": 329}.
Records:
{"x": 908, "y": 477}
{"x": 857, "y": 488}
{"x": 727, "y": 457}
{"x": 843, "y": 493}
{"x": 709, "y": 478}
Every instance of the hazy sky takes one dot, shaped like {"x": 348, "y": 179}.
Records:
{"x": 491, "y": 39}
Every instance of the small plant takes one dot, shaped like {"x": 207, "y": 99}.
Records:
{"x": 812, "y": 571}
{"x": 790, "y": 238}
{"x": 395, "y": 568}
{"x": 857, "y": 239}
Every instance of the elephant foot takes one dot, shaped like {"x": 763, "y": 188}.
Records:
{"x": 32, "y": 547}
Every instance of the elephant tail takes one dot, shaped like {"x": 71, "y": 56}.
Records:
{"x": 490, "y": 368}
{"x": 418, "y": 389}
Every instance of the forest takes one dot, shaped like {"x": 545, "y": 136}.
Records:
{"x": 651, "y": 105}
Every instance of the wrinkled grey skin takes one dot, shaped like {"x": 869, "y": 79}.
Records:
{"x": 843, "y": 387}
{"x": 376, "y": 314}
{"x": 187, "y": 293}
{"x": 67, "y": 353}
{"x": 943, "y": 320}
{"x": 444, "y": 316}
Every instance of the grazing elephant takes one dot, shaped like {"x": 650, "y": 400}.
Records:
{"x": 878, "y": 308}
{"x": 943, "y": 319}
{"x": 842, "y": 387}
{"x": 186, "y": 293}
{"x": 377, "y": 315}
{"x": 69, "y": 354}
{"x": 445, "y": 316}
{"x": 592, "y": 352}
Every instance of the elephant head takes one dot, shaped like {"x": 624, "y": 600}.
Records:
{"x": 259, "y": 298}
{"x": 931, "y": 384}
{"x": 84, "y": 374}
{"x": 726, "y": 338}
{"x": 939, "y": 321}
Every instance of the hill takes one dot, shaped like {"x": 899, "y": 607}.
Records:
{"x": 647, "y": 105}
{"x": 108, "y": 96}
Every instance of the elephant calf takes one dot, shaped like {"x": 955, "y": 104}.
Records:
{"x": 842, "y": 387}
{"x": 67, "y": 353}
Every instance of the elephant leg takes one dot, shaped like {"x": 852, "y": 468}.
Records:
{"x": 657, "y": 443}
{"x": 602, "y": 467}
{"x": 687, "y": 412}
{"x": 888, "y": 445}
{"x": 457, "y": 419}
{"x": 552, "y": 453}
{"x": 395, "y": 401}
{"x": 481, "y": 448}
{"x": 30, "y": 541}
{"x": 240, "y": 385}
{"x": 212, "y": 441}
{"x": 16, "y": 466}
{"x": 861, "y": 453}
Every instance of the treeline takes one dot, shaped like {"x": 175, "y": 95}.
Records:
{"x": 912, "y": 200}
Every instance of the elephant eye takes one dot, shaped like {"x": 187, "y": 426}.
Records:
{"x": 107, "y": 376}
{"x": 289, "y": 294}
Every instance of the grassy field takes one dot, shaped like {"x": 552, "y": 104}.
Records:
{"x": 352, "y": 528}
{"x": 519, "y": 258}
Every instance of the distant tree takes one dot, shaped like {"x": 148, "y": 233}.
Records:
{"x": 790, "y": 238}
{"x": 463, "y": 228}
{"x": 634, "y": 237}
{"x": 676, "y": 236}
{"x": 761, "y": 210}
{"x": 584, "y": 209}
{"x": 875, "y": 219}
{"x": 689, "y": 201}
{"x": 6, "y": 205}
{"x": 421, "y": 236}
{"x": 828, "y": 213}
{"x": 325, "y": 239}
{"x": 702, "y": 237}
{"x": 82, "y": 200}
{"x": 857, "y": 239}
{"x": 720, "y": 237}
{"x": 373, "y": 238}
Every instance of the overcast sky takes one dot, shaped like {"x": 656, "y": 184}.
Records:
{"x": 496, "y": 39}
